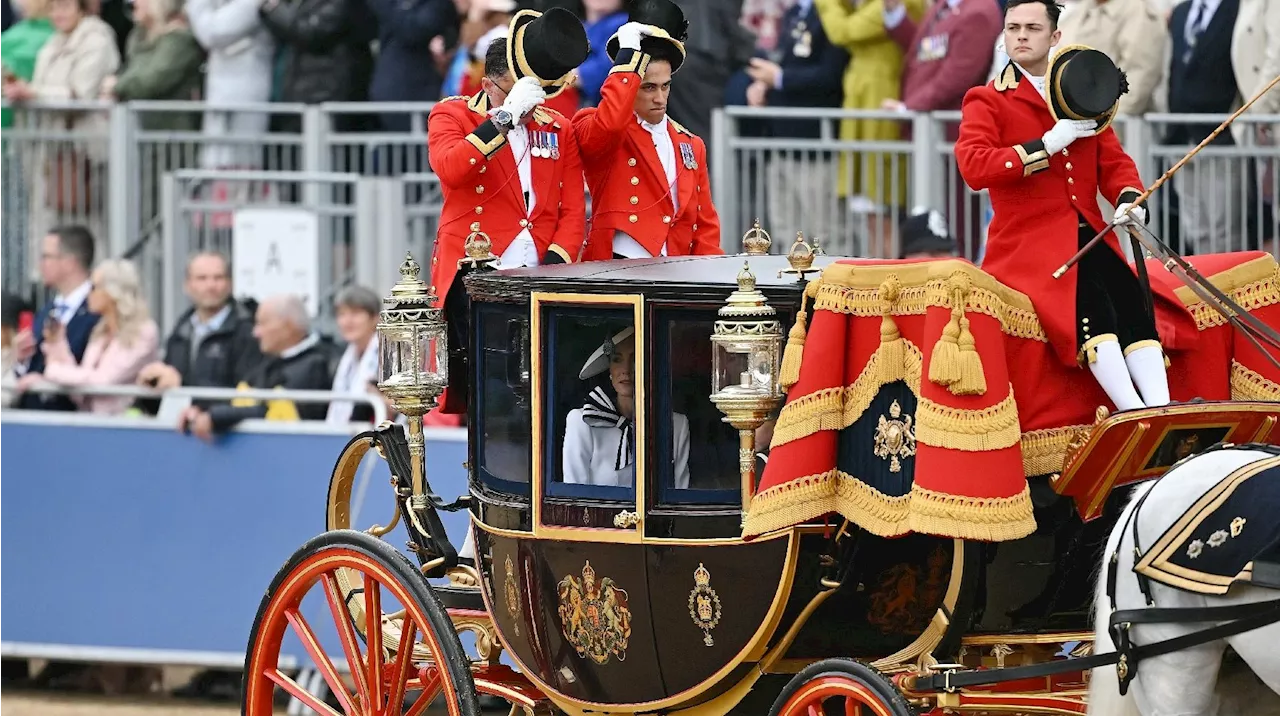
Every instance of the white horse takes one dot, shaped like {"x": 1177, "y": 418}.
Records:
{"x": 1183, "y": 683}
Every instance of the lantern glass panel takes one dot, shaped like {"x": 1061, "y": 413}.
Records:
{"x": 763, "y": 359}
{"x": 397, "y": 358}
{"x": 433, "y": 356}
{"x": 728, "y": 364}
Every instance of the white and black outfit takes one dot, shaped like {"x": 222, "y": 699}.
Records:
{"x": 600, "y": 445}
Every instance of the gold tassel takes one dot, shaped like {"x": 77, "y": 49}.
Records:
{"x": 892, "y": 352}
{"x": 793, "y": 354}
{"x": 944, "y": 364}
{"x": 973, "y": 380}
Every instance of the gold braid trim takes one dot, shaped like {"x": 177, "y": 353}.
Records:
{"x": 937, "y": 425}
{"x": 1045, "y": 451}
{"x": 1254, "y": 284}
{"x": 1015, "y": 321}
{"x": 920, "y": 510}
{"x": 1248, "y": 384}
{"x": 992, "y": 428}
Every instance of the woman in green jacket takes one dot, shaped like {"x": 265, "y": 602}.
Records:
{"x": 20, "y": 44}
{"x": 162, "y": 62}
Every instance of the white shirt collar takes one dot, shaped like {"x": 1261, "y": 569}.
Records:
{"x": 215, "y": 321}
{"x": 72, "y": 301}
{"x": 1037, "y": 82}
{"x": 659, "y": 128}
{"x": 306, "y": 343}
{"x": 953, "y": 4}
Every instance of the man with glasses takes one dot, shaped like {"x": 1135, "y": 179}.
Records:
{"x": 66, "y": 258}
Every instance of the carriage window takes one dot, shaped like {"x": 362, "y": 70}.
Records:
{"x": 503, "y": 394}
{"x": 590, "y": 369}
{"x": 697, "y": 452}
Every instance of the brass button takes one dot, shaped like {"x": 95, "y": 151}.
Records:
{"x": 473, "y": 161}
{"x": 631, "y": 162}
{"x": 1065, "y": 153}
{"x": 1008, "y": 165}
{"x": 1071, "y": 180}
{"x": 695, "y": 227}
{"x": 1068, "y": 166}
{"x": 624, "y": 81}
{"x": 475, "y": 226}
{"x": 635, "y": 180}
{"x": 480, "y": 209}
{"x": 666, "y": 219}
{"x": 480, "y": 190}
{"x": 635, "y": 200}
{"x": 482, "y": 169}
{"x": 524, "y": 223}
{"x": 633, "y": 218}
{"x": 1073, "y": 197}
{"x": 1085, "y": 320}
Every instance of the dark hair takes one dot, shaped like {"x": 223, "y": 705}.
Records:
{"x": 495, "y": 59}
{"x": 661, "y": 51}
{"x": 76, "y": 240}
{"x": 1051, "y": 8}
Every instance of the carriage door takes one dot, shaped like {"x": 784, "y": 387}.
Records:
{"x": 589, "y": 440}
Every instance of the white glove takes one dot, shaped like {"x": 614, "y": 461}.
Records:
{"x": 1136, "y": 216}
{"x": 630, "y": 34}
{"x": 1067, "y": 131}
{"x": 524, "y": 96}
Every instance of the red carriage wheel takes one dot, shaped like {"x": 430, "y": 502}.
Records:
{"x": 387, "y": 673}
{"x": 840, "y": 687}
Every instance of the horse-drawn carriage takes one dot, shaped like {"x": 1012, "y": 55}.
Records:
{"x": 934, "y": 498}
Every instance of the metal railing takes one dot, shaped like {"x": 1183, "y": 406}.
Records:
{"x": 173, "y": 400}
{"x": 847, "y": 186}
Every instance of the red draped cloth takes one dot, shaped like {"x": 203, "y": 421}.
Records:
{"x": 921, "y": 395}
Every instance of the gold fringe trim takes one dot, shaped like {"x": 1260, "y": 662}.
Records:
{"x": 992, "y": 428}
{"x": 891, "y": 353}
{"x": 920, "y": 510}
{"x": 1044, "y": 452}
{"x": 1254, "y": 284}
{"x": 1248, "y": 384}
{"x": 937, "y": 425}
{"x": 793, "y": 355}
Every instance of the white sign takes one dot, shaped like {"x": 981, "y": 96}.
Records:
{"x": 277, "y": 251}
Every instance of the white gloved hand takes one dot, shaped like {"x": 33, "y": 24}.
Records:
{"x": 1067, "y": 131}
{"x": 630, "y": 34}
{"x": 1136, "y": 216}
{"x": 524, "y": 96}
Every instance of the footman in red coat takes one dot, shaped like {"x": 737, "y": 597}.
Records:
{"x": 650, "y": 191}
{"x": 1043, "y": 150}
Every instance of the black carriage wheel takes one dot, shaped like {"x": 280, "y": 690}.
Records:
{"x": 852, "y": 687}
{"x": 381, "y": 683}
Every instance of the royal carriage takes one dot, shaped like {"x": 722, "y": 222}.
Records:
{"x": 741, "y": 485}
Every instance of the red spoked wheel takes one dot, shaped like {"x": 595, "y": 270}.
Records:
{"x": 426, "y": 658}
{"x": 840, "y": 687}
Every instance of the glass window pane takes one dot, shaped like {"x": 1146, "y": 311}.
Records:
{"x": 506, "y": 417}
{"x": 697, "y": 451}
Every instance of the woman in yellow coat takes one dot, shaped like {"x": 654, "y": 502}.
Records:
{"x": 873, "y": 75}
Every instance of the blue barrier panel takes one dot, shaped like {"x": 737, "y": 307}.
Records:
{"x": 124, "y": 540}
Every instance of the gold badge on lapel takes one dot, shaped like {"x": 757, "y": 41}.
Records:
{"x": 704, "y": 604}
{"x": 595, "y": 617}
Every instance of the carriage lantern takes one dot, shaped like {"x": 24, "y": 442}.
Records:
{"x": 747, "y": 345}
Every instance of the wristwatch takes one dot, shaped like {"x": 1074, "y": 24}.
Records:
{"x": 503, "y": 119}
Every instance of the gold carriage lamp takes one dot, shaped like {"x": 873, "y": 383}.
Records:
{"x": 747, "y": 345}
{"x": 413, "y": 365}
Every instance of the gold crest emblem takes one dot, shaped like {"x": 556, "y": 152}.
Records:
{"x": 704, "y": 604}
{"x": 594, "y": 616}
{"x": 511, "y": 593}
{"x": 895, "y": 438}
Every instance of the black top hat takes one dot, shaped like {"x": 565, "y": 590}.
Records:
{"x": 546, "y": 45}
{"x": 1083, "y": 83}
{"x": 672, "y": 29}
{"x": 925, "y": 232}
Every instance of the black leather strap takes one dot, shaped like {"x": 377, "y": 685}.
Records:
{"x": 435, "y": 544}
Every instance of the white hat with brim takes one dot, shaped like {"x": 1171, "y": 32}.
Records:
{"x": 599, "y": 361}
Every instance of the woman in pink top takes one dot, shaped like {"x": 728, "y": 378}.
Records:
{"x": 123, "y": 342}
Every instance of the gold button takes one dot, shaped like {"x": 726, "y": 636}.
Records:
{"x": 480, "y": 190}
{"x": 475, "y": 226}
{"x": 1065, "y": 153}
{"x": 633, "y": 218}
{"x": 1071, "y": 180}
{"x": 1068, "y": 166}
{"x": 635, "y": 180}
{"x": 524, "y": 223}
{"x": 1085, "y": 320}
{"x": 473, "y": 161}
{"x": 1073, "y": 197}
{"x": 480, "y": 209}
{"x": 624, "y": 80}
{"x": 666, "y": 219}
{"x": 695, "y": 227}
{"x": 482, "y": 169}
{"x": 631, "y": 162}
{"x": 635, "y": 200}
{"x": 1008, "y": 165}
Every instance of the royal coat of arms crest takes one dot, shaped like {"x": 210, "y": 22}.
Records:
{"x": 704, "y": 604}
{"x": 594, "y": 616}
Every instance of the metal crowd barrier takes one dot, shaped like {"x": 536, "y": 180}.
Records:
{"x": 847, "y": 186}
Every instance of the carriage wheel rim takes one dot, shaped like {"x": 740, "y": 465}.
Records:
{"x": 809, "y": 700}
{"x": 373, "y": 686}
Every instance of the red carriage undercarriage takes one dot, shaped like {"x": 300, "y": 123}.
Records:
{"x": 931, "y": 503}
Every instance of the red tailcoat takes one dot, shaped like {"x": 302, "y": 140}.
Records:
{"x": 1038, "y": 201}
{"x": 629, "y": 189}
{"x": 482, "y": 191}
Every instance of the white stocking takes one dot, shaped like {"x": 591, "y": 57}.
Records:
{"x": 1106, "y": 362}
{"x": 1146, "y": 366}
